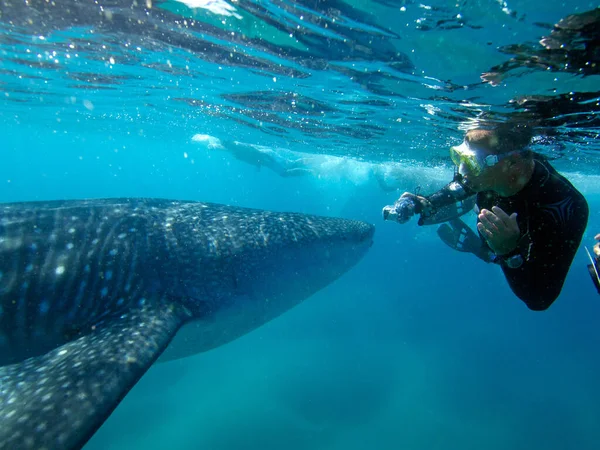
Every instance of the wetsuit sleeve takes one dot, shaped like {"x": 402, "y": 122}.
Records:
{"x": 548, "y": 251}
{"x": 450, "y": 202}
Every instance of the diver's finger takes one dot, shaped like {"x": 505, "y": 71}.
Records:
{"x": 488, "y": 217}
{"x": 484, "y": 220}
{"x": 485, "y": 232}
{"x": 597, "y": 237}
{"x": 513, "y": 224}
{"x": 505, "y": 218}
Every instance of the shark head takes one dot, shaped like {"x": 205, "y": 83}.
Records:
{"x": 263, "y": 262}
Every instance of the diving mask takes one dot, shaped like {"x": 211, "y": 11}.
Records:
{"x": 474, "y": 160}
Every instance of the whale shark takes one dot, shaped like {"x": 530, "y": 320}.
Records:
{"x": 93, "y": 292}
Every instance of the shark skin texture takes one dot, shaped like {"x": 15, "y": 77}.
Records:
{"x": 93, "y": 292}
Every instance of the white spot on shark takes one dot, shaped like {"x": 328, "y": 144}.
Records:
{"x": 60, "y": 270}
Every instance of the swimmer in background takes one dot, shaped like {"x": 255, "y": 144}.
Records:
{"x": 258, "y": 156}
{"x": 390, "y": 176}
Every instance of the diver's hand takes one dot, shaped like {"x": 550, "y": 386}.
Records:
{"x": 405, "y": 207}
{"x": 597, "y": 246}
{"x": 500, "y": 230}
{"x": 402, "y": 210}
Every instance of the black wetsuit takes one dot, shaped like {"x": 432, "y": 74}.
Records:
{"x": 552, "y": 216}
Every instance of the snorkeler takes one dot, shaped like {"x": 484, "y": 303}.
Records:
{"x": 594, "y": 267}
{"x": 530, "y": 218}
{"x": 284, "y": 163}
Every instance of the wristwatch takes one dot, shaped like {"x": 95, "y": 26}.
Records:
{"x": 512, "y": 260}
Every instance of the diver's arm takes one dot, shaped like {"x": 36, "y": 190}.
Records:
{"x": 446, "y": 212}
{"x": 450, "y": 202}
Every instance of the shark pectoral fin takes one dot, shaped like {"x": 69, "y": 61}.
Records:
{"x": 59, "y": 399}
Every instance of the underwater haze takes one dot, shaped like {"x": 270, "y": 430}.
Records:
{"x": 332, "y": 108}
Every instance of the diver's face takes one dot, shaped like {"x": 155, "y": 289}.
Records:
{"x": 484, "y": 179}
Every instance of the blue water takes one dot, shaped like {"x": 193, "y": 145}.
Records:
{"x": 417, "y": 347}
